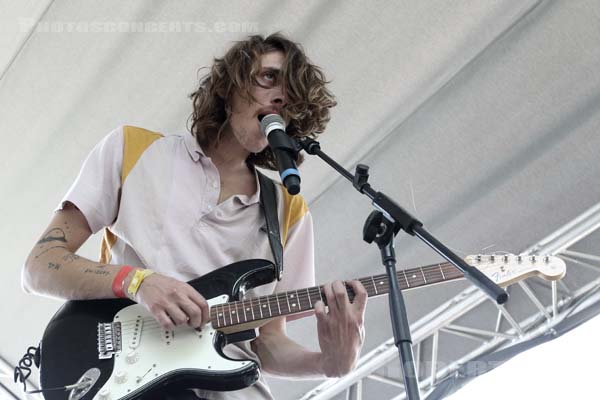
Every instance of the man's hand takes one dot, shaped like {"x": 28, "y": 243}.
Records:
{"x": 172, "y": 302}
{"x": 341, "y": 330}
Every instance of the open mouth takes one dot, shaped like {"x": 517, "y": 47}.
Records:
{"x": 265, "y": 112}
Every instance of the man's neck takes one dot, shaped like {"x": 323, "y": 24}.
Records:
{"x": 228, "y": 156}
{"x": 230, "y": 159}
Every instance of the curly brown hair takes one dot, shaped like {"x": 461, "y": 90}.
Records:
{"x": 308, "y": 99}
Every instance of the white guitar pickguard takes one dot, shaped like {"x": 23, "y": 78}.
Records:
{"x": 153, "y": 352}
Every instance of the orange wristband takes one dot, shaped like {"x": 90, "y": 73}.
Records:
{"x": 119, "y": 281}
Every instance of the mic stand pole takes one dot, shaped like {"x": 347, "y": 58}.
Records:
{"x": 384, "y": 223}
{"x": 382, "y": 231}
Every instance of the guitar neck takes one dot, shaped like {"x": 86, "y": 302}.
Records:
{"x": 238, "y": 313}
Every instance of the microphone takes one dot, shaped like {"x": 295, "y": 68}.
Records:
{"x": 284, "y": 148}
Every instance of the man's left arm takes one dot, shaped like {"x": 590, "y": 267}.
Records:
{"x": 340, "y": 328}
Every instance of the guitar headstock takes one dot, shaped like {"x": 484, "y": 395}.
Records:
{"x": 506, "y": 269}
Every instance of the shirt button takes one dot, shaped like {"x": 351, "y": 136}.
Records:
{"x": 215, "y": 185}
{"x": 209, "y": 207}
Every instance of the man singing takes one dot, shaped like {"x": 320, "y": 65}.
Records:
{"x": 185, "y": 205}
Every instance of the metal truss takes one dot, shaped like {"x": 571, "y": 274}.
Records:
{"x": 564, "y": 301}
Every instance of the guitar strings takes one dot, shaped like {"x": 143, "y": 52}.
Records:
{"x": 310, "y": 295}
{"x": 428, "y": 272}
{"x": 314, "y": 293}
{"x": 304, "y": 299}
{"x": 420, "y": 274}
{"x": 418, "y": 277}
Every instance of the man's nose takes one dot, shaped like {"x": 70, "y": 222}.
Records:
{"x": 278, "y": 97}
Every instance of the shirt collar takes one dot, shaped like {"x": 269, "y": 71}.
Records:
{"x": 193, "y": 147}
{"x": 196, "y": 153}
{"x": 249, "y": 200}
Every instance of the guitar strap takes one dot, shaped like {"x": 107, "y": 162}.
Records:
{"x": 268, "y": 203}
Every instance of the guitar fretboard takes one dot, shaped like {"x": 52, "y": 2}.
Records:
{"x": 301, "y": 300}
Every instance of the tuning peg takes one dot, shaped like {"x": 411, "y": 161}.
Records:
{"x": 478, "y": 257}
{"x": 492, "y": 258}
{"x": 519, "y": 258}
{"x": 547, "y": 259}
{"x": 532, "y": 258}
{"x": 505, "y": 258}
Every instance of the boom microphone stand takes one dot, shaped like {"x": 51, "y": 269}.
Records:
{"x": 381, "y": 227}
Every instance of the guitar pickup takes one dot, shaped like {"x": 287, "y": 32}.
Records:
{"x": 137, "y": 332}
{"x": 109, "y": 339}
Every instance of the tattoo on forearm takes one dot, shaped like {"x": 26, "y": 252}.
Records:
{"x": 96, "y": 271}
{"x": 54, "y": 266}
{"x": 55, "y": 234}
{"x": 70, "y": 258}
{"x": 47, "y": 250}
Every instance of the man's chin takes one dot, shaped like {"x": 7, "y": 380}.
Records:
{"x": 258, "y": 149}
{"x": 262, "y": 145}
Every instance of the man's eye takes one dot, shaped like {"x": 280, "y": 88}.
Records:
{"x": 269, "y": 76}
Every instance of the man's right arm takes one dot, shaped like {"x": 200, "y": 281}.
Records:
{"x": 53, "y": 269}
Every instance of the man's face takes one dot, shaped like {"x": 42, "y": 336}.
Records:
{"x": 269, "y": 98}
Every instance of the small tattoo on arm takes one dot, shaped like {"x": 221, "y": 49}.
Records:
{"x": 55, "y": 234}
{"x": 53, "y": 266}
{"x": 70, "y": 258}
{"x": 96, "y": 271}
{"x": 53, "y": 247}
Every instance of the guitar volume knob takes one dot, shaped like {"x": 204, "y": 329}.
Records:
{"x": 104, "y": 394}
{"x": 132, "y": 357}
{"x": 121, "y": 377}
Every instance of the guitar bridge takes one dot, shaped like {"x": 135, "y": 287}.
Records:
{"x": 109, "y": 339}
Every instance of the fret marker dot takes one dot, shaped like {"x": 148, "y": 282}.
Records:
{"x": 381, "y": 283}
{"x": 247, "y": 309}
{"x": 293, "y": 304}
{"x": 233, "y": 312}
{"x": 264, "y": 306}
{"x": 291, "y": 296}
{"x": 220, "y": 314}
{"x": 414, "y": 276}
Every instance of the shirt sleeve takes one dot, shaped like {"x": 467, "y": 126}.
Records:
{"x": 95, "y": 191}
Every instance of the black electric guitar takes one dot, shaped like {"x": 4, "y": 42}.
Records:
{"x": 114, "y": 349}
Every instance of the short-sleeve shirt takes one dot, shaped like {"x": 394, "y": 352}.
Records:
{"x": 164, "y": 215}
